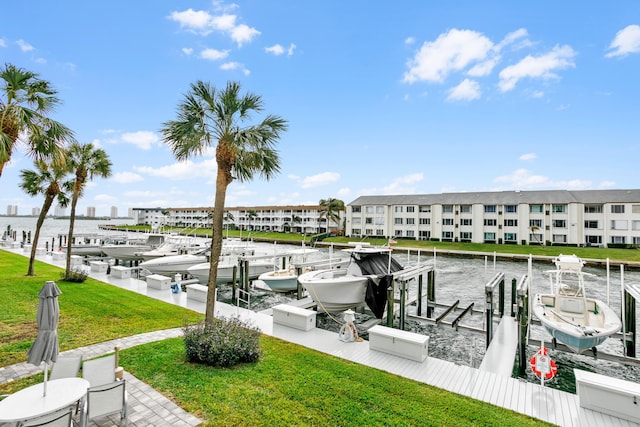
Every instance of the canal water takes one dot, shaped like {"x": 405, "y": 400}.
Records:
{"x": 457, "y": 278}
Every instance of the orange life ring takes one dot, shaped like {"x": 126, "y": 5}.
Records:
{"x": 553, "y": 369}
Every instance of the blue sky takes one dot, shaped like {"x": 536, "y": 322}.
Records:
{"x": 381, "y": 97}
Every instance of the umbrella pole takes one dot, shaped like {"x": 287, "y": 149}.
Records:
{"x": 46, "y": 371}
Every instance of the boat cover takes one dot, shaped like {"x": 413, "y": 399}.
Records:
{"x": 377, "y": 264}
{"x": 376, "y": 296}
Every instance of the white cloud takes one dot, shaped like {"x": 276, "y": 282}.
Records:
{"x": 3, "y": 43}
{"x": 203, "y": 23}
{"x": 523, "y": 179}
{"x": 540, "y": 67}
{"x": 106, "y": 198}
{"x": 197, "y": 21}
{"x": 291, "y": 48}
{"x": 409, "y": 40}
{"x": 626, "y": 41}
{"x": 276, "y": 49}
{"x": 451, "y": 51}
{"x": 319, "y": 179}
{"x": 187, "y": 50}
{"x": 24, "y": 46}
{"x": 187, "y": 169}
{"x": 344, "y": 192}
{"x": 126, "y": 177}
{"x": 514, "y": 36}
{"x": 224, "y": 22}
{"x": 529, "y": 156}
{"x": 243, "y": 34}
{"x": 401, "y": 185}
{"x": 467, "y": 90}
{"x": 607, "y": 184}
{"x": 230, "y": 66}
{"x": 214, "y": 54}
{"x": 142, "y": 139}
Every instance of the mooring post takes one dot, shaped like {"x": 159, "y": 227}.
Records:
{"x": 629, "y": 324}
{"x": 403, "y": 293}
{"x": 489, "y": 314}
{"x": 514, "y": 283}
{"x": 245, "y": 282}
{"x": 431, "y": 292}
{"x": 523, "y": 318}
{"x": 501, "y": 297}
{"x": 419, "y": 308}
{"x": 390, "y": 304}
{"x": 234, "y": 283}
{"x": 298, "y": 284}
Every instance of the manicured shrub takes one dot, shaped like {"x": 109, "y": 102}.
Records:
{"x": 75, "y": 276}
{"x": 224, "y": 342}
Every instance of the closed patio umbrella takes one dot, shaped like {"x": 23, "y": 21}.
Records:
{"x": 45, "y": 347}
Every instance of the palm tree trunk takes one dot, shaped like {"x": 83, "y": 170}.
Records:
{"x": 72, "y": 220}
{"x": 48, "y": 201}
{"x": 216, "y": 243}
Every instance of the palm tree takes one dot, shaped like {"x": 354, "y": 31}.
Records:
{"x": 295, "y": 219}
{"x": 86, "y": 162}
{"x": 251, "y": 215}
{"x": 25, "y": 101}
{"x": 47, "y": 180}
{"x": 228, "y": 216}
{"x": 331, "y": 210}
{"x": 208, "y": 117}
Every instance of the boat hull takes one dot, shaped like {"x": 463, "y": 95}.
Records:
{"x": 280, "y": 280}
{"x": 225, "y": 272}
{"x": 334, "y": 290}
{"x": 173, "y": 264}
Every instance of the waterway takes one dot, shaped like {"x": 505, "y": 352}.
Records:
{"x": 457, "y": 278}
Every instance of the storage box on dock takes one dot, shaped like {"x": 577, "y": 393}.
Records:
{"x": 99, "y": 267}
{"x": 58, "y": 256}
{"x": 158, "y": 281}
{"x": 120, "y": 272}
{"x": 295, "y": 317}
{"x": 399, "y": 343}
{"x": 76, "y": 261}
{"x": 197, "y": 292}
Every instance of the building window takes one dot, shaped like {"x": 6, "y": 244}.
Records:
{"x": 447, "y": 208}
{"x": 618, "y": 224}
{"x": 635, "y": 209}
{"x": 378, "y": 220}
{"x": 424, "y": 208}
{"x": 591, "y": 224}
{"x": 535, "y": 223}
{"x": 425, "y": 221}
{"x": 510, "y": 237}
{"x": 635, "y": 225}
{"x": 447, "y": 235}
{"x": 489, "y": 237}
{"x": 410, "y": 233}
{"x": 465, "y": 221}
{"x": 397, "y": 209}
{"x": 490, "y": 222}
{"x": 511, "y": 208}
{"x": 636, "y": 240}
{"x": 368, "y": 220}
{"x": 447, "y": 221}
{"x": 424, "y": 235}
{"x": 380, "y": 210}
{"x": 379, "y": 232}
{"x": 356, "y": 220}
{"x": 410, "y": 221}
{"x": 559, "y": 238}
{"x": 535, "y": 237}
{"x": 510, "y": 222}
{"x": 369, "y": 231}
{"x": 356, "y": 209}
{"x": 465, "y": 235}
{"x": 559, "y": 223}
{"x": 592, "y": 208}
{"x": 621, "y": 240}
{"x": 559, "y": 208}
{"x": 398, "y": 233}
{"x": 355, "y": 231}
{"x": 536, "y": 209}
{"x": 397, "y": 221}
{"x": 410, "y": 209}
{"x": 594, "y": 240}
{"x": 368, "y": 209}
{"x": 465, "y": 208}
{"x": 619, "y": 209}
{"x": 490, "y": 209}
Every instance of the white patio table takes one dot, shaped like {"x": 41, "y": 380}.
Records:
{"x": 29, "y": 403}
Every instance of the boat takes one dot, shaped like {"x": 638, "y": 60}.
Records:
{"x": 369, "y": 271}
{"x": 226, "y": 266}
{"x": 297, "y": 262}
{"x": 130, "y": 249}
{"x": 175, "y": 245}
{"x": 175, "y": 264}
{"x": 579, "y": 322}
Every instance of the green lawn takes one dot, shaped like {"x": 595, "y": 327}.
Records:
{"x": 290, "y": 385}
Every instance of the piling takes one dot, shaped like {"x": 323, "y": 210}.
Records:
{"x": 431, "y": 292}
{"x": 523, "y": 322}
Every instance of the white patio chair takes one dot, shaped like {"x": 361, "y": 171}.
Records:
{"x": 60, "y": 418}
{"x": 105, "y": 400}
{"x": 66, "y": 367}
{"x": 100, "y": 371}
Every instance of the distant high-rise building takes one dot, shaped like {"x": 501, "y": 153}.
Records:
{"x": 130, "y": 213}
{"x": 35, "y": 211}
{"x": 114, "y": 212}
{"x": 12, "y": 210}
{"x": 60, "y": 211}
{"x": 91, "y": 211}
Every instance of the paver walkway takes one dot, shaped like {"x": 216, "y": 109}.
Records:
{"x": 147, "y": 407}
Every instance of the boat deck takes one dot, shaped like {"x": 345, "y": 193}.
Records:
{"x": 554, "y": 406}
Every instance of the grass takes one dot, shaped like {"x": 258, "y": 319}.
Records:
{"x": 290, "y": 385}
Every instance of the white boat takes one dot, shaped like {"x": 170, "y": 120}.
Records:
{"x": 176, "y": 245}
{"x": 226, "y": 266}
{"x": 297, "y": 262}
{"x": 130, "y": 250}
{"x": 340, "y": 289}
{"x": 570, "y": 317}
{"x": 174, "y": 264}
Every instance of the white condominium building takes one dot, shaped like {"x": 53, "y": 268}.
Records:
{"x": 589, "y": 218}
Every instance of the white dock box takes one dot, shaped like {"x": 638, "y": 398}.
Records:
{"x": 158, "y": 281}
{"x": 99, "y": 267}
{"x": 41, "y": 251}
{"x": 76, "y": 260}
{"x": 295, "y": 317}
{"x": 608, "y": 395}
{"x": 120, "y": 272}
{"x": 27, "y": 248}
{"x": 59, "y": 256}
{"x": 197, "y": 292}
{"x": 399, "y": 343}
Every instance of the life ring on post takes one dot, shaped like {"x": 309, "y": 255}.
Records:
{"x": 542, "y": 365}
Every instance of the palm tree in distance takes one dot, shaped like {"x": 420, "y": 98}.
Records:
{"x": 228, "y": 217}
{"x": 25, "y": 101}
{"x": 331, "y": 210}
{"x": 86, "y": 162}
{"x": 209, "y": 117}
{"x": 251, "y": 215}
{"x": 48, "y": 180}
